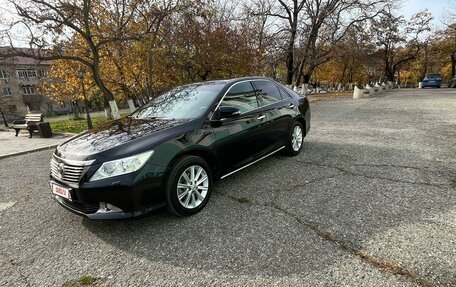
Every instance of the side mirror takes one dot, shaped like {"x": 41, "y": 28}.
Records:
{"x": 226, "y": 112}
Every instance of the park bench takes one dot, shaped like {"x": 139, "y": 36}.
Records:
{"x": 30, "y": 123}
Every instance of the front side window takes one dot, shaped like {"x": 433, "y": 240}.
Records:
{"x": 268, "y": 92}
{"x": 186, "y": 102}
{"x": 241, "y": 96}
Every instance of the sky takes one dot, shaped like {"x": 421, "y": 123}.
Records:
{"x": 438, "y": 8}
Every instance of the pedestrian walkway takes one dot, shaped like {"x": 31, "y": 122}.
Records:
{"x": 11, "y": 145}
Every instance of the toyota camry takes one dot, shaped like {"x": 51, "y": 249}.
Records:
{"x": 170, "y": 151}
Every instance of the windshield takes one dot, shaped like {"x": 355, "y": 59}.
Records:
{"x": 187, "y": 102}
{"x": 433, "y": 76}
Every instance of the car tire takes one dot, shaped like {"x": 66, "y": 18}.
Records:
{"x": 189, "y": 186}
{"x": 295, "y": 140}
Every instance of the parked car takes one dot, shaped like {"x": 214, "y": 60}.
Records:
{"x": 432, "y": 80}
{"x": 170, "y": 151}
{"x": 452, "y": 82}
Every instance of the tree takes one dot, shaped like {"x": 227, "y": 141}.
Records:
{"x": 400, "y": 41}
{"x": 80, "y": 31}
{"x": 206, "y": 42}
{"x": 447, "y": 45}
{"x": 288, "y": 12}
{"x": 315, "y": 27}
{"x": 328, "y": 22}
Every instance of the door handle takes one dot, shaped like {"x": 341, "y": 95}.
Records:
{"x": 291, "y": 106}
{"x": 261, "y": 117}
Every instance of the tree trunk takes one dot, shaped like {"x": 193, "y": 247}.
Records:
{"x": 131, "y": 105}
{"x": 453, "y": 64}
{"x": 96, "y": 61}
{"x": 289, "y": 61}
{"x": 290, "y": 49}
{"x": 344, "y": 71}
{"x": 150, "y": 70}
{"x": 4, "y": 118}
{"x": 106, "y": 92}
{"x": 306, "y": 78}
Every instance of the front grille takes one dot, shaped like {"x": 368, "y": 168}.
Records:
{"x": 86, "y": 208}
{"x": 66, "y": 172}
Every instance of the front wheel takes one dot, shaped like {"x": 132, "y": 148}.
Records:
{"x": 295, "y": 140}
{"x": 189, "y": 186}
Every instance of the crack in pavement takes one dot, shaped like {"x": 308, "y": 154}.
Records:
{"x": 292, "y": 188}
{"x": 377, "y": 262}
{"x": 439, "y": 186}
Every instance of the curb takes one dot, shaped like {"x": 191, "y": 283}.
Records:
{"x": 29, "y": 151}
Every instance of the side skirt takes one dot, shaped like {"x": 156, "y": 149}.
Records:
{"x": 253, "y": 162}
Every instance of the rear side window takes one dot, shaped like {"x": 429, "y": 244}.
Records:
{"x": 284, "y": 94}
{"x": 241, "y": 96}
{"x": 268, "y": 92}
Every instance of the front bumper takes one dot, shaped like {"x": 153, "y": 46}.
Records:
{"x": 116, "y": 198}
{"x": 102, "y": 212}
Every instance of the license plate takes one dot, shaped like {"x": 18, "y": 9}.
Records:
{"x": 61, "y": 191}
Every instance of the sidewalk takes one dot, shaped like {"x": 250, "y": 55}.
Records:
{"x": 11, "y": 145}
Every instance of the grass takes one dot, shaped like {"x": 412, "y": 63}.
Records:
{"x": 85, "y": 280}
{"x": 243, "y": 200}
{"x": 75, "y": 126}
{"x": 68, "y": 125}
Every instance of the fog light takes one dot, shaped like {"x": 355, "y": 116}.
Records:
{"x": 107, "y": 207}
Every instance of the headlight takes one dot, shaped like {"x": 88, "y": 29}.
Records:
{"x": 121, "y": 166}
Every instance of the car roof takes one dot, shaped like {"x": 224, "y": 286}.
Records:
{"x": 234, "y": 80}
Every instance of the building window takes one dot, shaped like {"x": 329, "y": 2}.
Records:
{"x": 42, "y": 73}
{"x": 21, "y": 74}
{"x": 3, "y": 75}
{"x": 28, "y": 90}
{"x": 31, "y": 73}
{"x": 7, "y": 91}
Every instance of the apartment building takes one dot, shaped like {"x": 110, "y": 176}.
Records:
{"x": 19, "y": 81}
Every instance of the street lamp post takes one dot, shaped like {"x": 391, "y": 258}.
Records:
{"x": 81, "y": 73}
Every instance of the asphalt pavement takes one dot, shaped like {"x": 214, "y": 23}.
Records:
{"x": 370, "y": 201}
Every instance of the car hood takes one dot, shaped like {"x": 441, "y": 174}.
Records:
{"x": 117, "y": 138}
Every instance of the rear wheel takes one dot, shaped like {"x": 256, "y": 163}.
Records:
{"x": 295, "y": 140}
{"x": 189, "y": 186}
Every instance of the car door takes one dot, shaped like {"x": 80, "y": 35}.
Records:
{"x": 279, "y": 109}
{"x": 240, "y": 140}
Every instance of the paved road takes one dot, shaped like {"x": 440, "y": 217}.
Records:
{"x": 370, "y": 202}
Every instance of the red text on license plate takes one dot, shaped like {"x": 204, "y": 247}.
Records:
{"x": 61, "y": 191}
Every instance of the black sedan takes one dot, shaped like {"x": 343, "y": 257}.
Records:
{"x": 171, "y": 150}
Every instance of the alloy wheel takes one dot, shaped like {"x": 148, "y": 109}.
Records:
{"x": 192, "y": 186}
{"x": 296, "y": 138}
